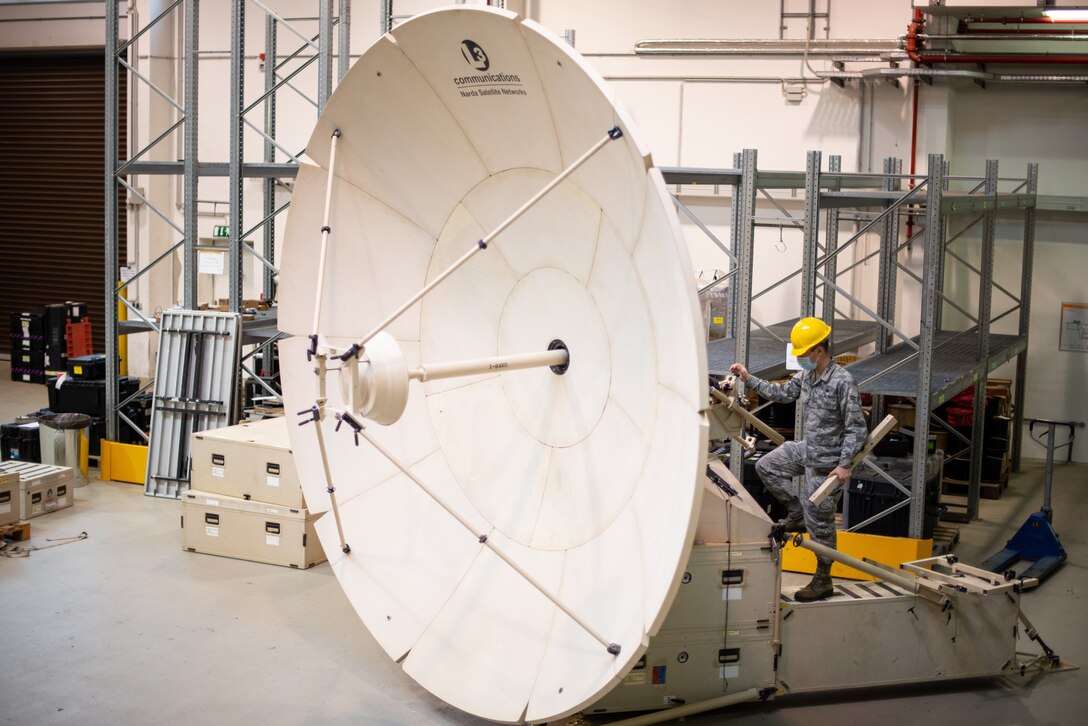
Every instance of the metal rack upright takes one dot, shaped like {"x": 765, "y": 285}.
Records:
{"x": 119, "y": 172}
{"x": 929, "y": 367}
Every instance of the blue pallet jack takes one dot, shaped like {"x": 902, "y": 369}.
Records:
{"x": 1036, "y": 539}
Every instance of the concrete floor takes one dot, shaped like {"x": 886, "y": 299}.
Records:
{"x": 126, "y": 628}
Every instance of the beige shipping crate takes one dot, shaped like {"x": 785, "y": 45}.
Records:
{"x": 689, "y": 666}
{"x": 9, "y": 498}
{"x": 215, "y": 524}
{"x": 43, "y": 488}
{"x": 248, "y": 461}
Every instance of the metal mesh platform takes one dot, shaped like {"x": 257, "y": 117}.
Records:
{"x": 767, "y": 356}
{"x": 953, "y": 366}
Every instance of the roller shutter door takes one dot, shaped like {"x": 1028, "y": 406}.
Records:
{"x": 52, "y": 200}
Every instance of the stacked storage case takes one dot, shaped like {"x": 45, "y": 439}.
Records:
{"x": 83, "y": 390}
{"x": 42, "y": 340}
{"x": 27, "y": 347}
{"x": 719, "y": 636}
{"x": 77, "y": 330}
{"x": 87, "y": 368}
{"x": 869, "y": 494}
{"x": 246, "y": 501}
{"x": 996, "y": 425}
{"x": 9, "y": 497}
{"x": 43, "y": 488}
{"x": 20, "y": 441}
{"x": 56, "y": 338}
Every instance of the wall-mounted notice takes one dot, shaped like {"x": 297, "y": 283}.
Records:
{"x": 211, "y": 263}
{"x": 1074, "y": 332}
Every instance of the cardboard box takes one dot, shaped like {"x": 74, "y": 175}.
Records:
{"x": 249, "y": 461}
{"x": 215, "y": 524}
{"x": 903, "y": 413}
{"x": 43, "y": 488}
{"x": 9, "y": 498}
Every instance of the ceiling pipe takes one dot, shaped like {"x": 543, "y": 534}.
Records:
{"x": 1018, "y": 33}
{"x": 1030, "y": 58}
{"x": 754, "y": 47}
{"x": 1023, "y": 34}
{"x": 1026, "y": 21}
{"x": 918, "y": 24}
{"x": 928, "y": 73}
{"x": 913, "y": 49}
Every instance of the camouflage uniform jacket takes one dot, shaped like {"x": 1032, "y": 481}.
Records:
{"x": 834, "y": 426}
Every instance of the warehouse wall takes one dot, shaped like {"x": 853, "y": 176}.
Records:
{"x": 1018, "y": 125}
{"x": 694, "y": 112}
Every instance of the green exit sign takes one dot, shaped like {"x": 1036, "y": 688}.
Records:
{"x": 220, "y": 230}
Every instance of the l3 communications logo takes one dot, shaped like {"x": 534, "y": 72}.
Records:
{"x": 484, "y": 82}
{"x": 474, "y": 55}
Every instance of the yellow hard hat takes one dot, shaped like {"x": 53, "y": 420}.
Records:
{"x": 807, "y": 333}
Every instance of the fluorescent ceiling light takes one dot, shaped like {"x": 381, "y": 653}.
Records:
{"x": 1073, "y": 14}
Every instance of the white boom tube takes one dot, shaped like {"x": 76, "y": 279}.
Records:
{"x": 908, "y": 582}
{"x": 319, "y": 292}
{"x": 518, "y": 361}
{"x": 690, "y": 709}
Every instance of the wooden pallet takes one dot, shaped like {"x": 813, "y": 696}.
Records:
{"x": 18, "y": 531}
{"x": 986, "y": 490}
{"x": 954, "y": 512}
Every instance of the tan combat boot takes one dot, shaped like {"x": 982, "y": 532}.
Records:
{"x": 795, "y": 521}
{"x": 820, "y": 587}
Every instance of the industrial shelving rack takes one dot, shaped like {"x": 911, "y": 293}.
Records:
{"x": 762, "y": 348}
{"x": 120, "y": 172}
{"x": 927, "y": 368}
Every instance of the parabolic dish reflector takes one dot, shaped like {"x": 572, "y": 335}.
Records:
{"x": 539, "y": 515}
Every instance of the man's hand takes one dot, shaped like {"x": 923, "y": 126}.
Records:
{"x": 842, "y": 474}
{"x": 738, "y": 370}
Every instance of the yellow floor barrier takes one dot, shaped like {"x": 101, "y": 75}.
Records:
{"x": 889, "y": 551}
{"x": 123, "y": 462}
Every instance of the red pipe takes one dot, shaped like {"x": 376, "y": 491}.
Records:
{"x": 917, "y": 24}
{"x": 912, "y": 46}
{"x": 913, "y": 132}
{"x": 913, "y": 151}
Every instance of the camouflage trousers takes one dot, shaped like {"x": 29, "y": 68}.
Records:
{"x": 778, "y": 469}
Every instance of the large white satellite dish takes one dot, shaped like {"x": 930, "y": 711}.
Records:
{"x": 513, "y": 536}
